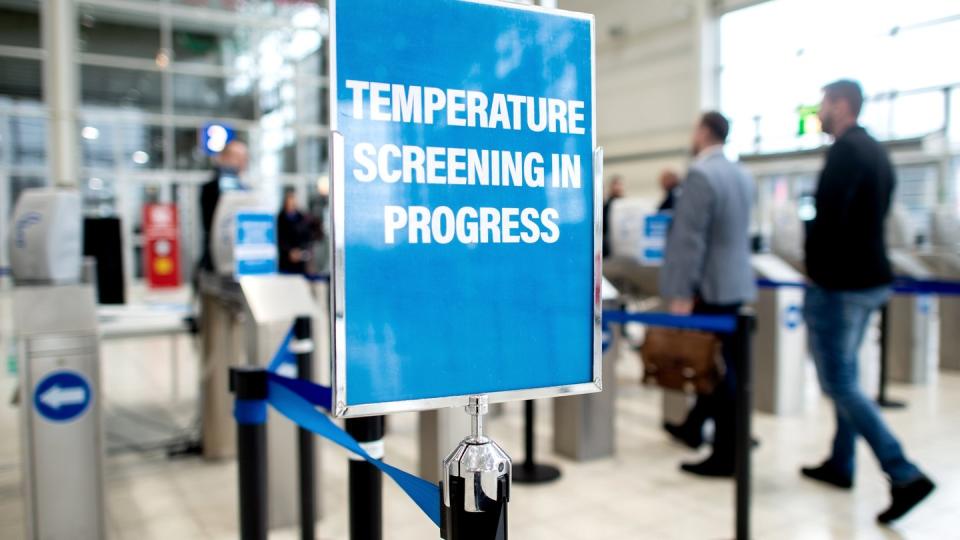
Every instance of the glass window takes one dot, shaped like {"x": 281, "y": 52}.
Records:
{"x": 316, "y": 64}
{"x": 99, "y": 196}
{"x": 116, "y": 87}
{"x": 141, "y": 146}
{"x": 96, "y": 142}
{"x": 954, "y": 189}
{"x": 315, "y": 155}
{"x": 28, "y": 140}
{"x": 188, "y": 153}
{"x": 19, "y": 28}
{"x": 954, "y": 129}
{"x": 775, "y": 57}
{"x": 917, "y": 193}
{"x": 18, "y": 183}
{"x": 119, "y": 33}
{"x": 212, "y": 96}
{"x": 228, "y": 47}
{"x": 21, "y": 78}
{"x": 315, "y": 104}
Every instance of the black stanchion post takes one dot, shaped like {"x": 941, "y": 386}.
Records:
{"x": 366, "y": 481}
{"x": 303, "y": 332}
{"x": 744, "y": 409}
{"x": 250, "y": 384}
{"x": 475, "y": 484}
{"x": 882, "y": 399}
{"x": 531, "y": 472}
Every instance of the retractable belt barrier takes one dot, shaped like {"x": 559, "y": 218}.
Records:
{"x": 299, "y": 400}
{"x": 741, "y": 327}
{"x": 306, "y": 404}
{"x": 901, "y": 285}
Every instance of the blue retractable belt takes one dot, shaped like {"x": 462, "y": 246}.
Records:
{"x": 901, "y": 285}
{"x": 724, "y": 324}
{"x": 300, "y": 411}
{"x": 298, "y": 400}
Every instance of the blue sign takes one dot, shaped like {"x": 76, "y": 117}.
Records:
{"x": 255, "y": 244}
{"x": 465, "y": 203}
{"x": 214, "y": 137}
{"x": 62, "y": 396}
{"x": 654, "y": 238}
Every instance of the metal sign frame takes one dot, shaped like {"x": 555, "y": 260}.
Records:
{"x": 341, "y": 408}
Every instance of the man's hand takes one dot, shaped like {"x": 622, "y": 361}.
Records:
{"x": 681, "y": 306}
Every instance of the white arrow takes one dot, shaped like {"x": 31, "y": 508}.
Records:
{"x": 57, "y": 397}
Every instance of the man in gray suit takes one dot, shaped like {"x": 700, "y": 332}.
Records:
{"x": 707, "y": 271}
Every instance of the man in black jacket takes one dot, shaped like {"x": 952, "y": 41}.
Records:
{"x": 847, "y": 262}
{"x": 231, "y": 163}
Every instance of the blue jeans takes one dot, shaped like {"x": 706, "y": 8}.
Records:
{"x": 837, "y": 322}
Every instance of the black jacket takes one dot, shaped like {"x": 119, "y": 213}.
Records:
{"x": 293, "y": 232}
{"x": 209, "y": 197}
{"x": 846, "y": 241}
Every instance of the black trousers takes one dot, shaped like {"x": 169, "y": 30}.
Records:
{"x": 721, "y": 404}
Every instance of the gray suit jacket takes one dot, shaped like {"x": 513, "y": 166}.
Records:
{"x": 708, "y": 247}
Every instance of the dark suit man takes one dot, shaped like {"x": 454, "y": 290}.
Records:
{"x": 231, "y": 162}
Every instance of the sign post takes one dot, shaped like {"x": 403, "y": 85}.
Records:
{"x": 466, "y": 198}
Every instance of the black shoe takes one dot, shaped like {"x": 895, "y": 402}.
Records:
{"x": 684, "y": 435}
{"x": 906, "y": 497}
{"x": 828, "y": 474}
{"x": 711, "y": 468}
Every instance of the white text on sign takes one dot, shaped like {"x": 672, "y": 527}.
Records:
{"x": 472, "y": 167}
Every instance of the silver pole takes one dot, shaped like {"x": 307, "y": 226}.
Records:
{"x": 61, "y": 89}
{"x": 476, "y": 484}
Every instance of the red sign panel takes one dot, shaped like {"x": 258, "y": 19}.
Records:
{"x": 161, "y": 245}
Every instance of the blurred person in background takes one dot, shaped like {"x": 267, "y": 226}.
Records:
{"x": 707, "y": 270}
{"x": 295, "y": 234}
{"x": 847, "y": 262}
{"x": 670, "y": 183}
{"x": 614, "y": 192}
{"x": 230, "y": 163}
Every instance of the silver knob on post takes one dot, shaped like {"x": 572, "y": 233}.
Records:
{"x": 476, "y": 484}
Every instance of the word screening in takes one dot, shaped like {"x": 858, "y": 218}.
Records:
{"x": 465, "y": 203}
{"x": 459, "y": 166}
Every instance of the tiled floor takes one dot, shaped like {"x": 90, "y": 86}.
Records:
{"x": 636, "y": 495}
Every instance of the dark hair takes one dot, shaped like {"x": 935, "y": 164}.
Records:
{"x": 716, "y": 124}
{"x": 288, "y": 191}
{"x": 848, "y": 90}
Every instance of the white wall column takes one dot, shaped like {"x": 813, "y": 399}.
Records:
{"x": 61, "y": 89}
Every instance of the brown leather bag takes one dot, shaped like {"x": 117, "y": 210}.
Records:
{"x": 685, "y": 360}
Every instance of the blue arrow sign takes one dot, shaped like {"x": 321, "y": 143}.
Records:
{"x": 62, "y": 396}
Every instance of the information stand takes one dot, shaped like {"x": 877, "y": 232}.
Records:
{"x": 465, "y": 203}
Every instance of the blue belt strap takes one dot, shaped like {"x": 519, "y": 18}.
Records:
{"x": 901, "y": 286}
{"x": 316, "y": 395}
{"x": 283, "y": 354}
{"x": 723, "y": 324}
{"x": 301, "y": 412}
{"x": 926, "y": 286}
{"x": 250, "y": 411}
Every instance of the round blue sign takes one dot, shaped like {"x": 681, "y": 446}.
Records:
{"x": 62, "y": 396}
